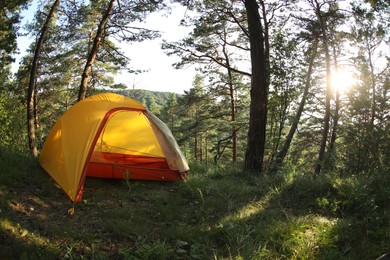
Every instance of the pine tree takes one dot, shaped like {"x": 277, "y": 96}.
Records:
{"x": 367, "y": 133}
{"x": 9, "y": 21}
{"x": 32, "y": 91}
{"x": 259, "y": 90}
{"x": 115, "y": 21}
{"x": 217, "y": 44}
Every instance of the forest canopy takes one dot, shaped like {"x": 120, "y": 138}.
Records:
{"x": 298, "y": 84}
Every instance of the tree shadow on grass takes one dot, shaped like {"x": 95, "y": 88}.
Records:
{"x": 25, "y": 249}
{"x": 308, "y": 218}
{"x": 217, "y": 214}
{"x": 116, "y": 219}
{"x": 35, "y": 218}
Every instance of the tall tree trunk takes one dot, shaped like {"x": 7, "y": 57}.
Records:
{"x": 282, "y": 120}
{"x": 31, "y": 98}
{"x": 234, "y": 128}
{"x": 266, "y": 41}
{"x": 277, "y": 162}
{"x": 328, "y": 94}
{"x": 373, "y": 83}
{"x": 201, "y": 148}
{"x": 337, "y": 109}
{"x": 206, "y": 150}
{"x": 335, "y": 122}
{"x": 93, "y": 52}
{"x": 36, "y": 113}
{"x": 232, "y": 101}
{"x": 196, "y": 147}
{"x": 259, "y": 91}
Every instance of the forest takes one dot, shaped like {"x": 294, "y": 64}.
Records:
{"x": 286, "y": 128}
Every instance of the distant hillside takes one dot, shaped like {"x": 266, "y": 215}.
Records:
{"x": 147, "y": 97}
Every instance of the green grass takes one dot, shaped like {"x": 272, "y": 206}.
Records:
{"x": 219, "y": 213}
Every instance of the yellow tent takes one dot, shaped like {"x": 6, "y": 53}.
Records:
{"x": 110, "y": 136}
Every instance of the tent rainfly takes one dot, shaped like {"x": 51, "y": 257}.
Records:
{"x": 110, "y": 136}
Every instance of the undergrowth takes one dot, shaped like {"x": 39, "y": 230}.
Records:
{"x": 219, "y": 213}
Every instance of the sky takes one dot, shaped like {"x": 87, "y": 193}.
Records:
{"x": 147, "y": 55}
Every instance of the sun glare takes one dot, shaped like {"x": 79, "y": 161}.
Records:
{"x": 342, "y": 80}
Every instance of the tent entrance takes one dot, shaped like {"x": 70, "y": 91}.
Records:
{"x": 128, "y": 148}
{"x": 124, "y": 166}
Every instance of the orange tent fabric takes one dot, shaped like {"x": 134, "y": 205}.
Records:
{"x": 110, "y": 136}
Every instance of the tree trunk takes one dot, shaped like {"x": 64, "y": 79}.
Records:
{"x": 277, "y": 162}
{"x": 232, "y": 102}
{"x": 259, "y": 91}
{"x": 282, "y": 120}
{"x": 335, "y": 122}
{"x": 266, "y": 41}
{"x": 206, "y": 150}
{"x": 36, "y": 113}
{"x": 93, "y": 52}
{"x": 328, "y": 93}
{"x": 373, "y": 89}
{"x": 31, "y": 92}
{"x": 200, "y": 148}
{"x": 196, "y": 147}
{"x": 337, "y": 109}
{"x": 233, "y": 119}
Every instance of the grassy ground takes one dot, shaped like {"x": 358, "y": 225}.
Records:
{"x": 216, "y": 214}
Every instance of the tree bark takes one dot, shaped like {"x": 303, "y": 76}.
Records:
{"x": 93, "y": 52}
{"x": 31, "y": 92}
{"x": 277, "y": 162}
{"x": 328, "y": 93}
{"x": 259, "y": 91}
